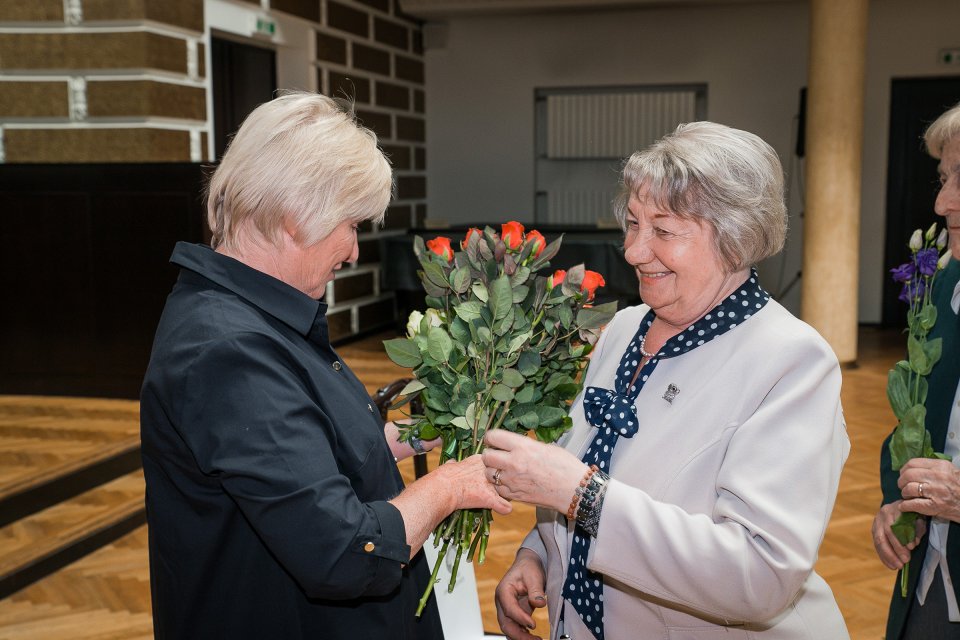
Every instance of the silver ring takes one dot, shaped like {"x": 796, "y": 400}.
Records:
{"x": 920, "y": 489}
{"x": 496, "y": 477}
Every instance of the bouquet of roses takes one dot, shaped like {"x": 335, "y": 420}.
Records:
{"x": 499, "y": 347}
{"x": 906, "y": 382}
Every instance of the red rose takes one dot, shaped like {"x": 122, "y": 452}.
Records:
{"x": 512, "y": 234}
{"x": 591, "y": 281}
{"x": 556, "y": 279}
{"x": 466, "y": 240}
{"x": 441, "y": 246}
{"x": 537, "y": 241}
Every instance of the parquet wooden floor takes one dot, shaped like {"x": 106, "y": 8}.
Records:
{"x": 106, "y": 594}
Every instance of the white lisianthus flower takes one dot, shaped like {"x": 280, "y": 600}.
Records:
{"x": 413, "y": 323}
{"x": 929, "y": 234}
{"x": 942, "y": 239}
{"x": 944, "y": 259}
{"x": 916, "y": 240}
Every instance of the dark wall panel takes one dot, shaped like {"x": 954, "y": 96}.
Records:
{"x": 85, "y": 271}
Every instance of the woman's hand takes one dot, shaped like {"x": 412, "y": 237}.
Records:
{"x": 893, "y": 554}
{"x": 403, "y": 450}
{"x": 940, "y": 494}
{"x": 467, "y": 484}
{"x": 531, "y": 471}
{"x": 520, "y": 592}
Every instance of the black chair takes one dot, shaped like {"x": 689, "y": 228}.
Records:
{"x": 383, "y": 398}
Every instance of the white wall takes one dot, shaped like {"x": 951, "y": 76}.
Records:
{"x": 481, "y": 82}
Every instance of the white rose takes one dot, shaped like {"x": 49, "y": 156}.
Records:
{"x": 413, "y": 323}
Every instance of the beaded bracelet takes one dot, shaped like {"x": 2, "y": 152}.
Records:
{"x": 591, "y": 503}
{"x": 575, "y": 501}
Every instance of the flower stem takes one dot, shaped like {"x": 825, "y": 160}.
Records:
{"x": 904, "y": 579}
{"x": 433, "y": 578}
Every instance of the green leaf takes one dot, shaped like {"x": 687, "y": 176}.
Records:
{"x": 525, "y": 394}
{"x": 460, "y": 279}
{"x": 439, "y": 344}
{"x": 412, "y": 386}
{"x": 501, "y": 298}
{"x": 933, "y": 349}
{"x": 919, "y": 361}
{"x": 904, "y": 527}
{"x": 520, "y": 276}
{"x": 556, "y": 380}
{"x": 503, "y": 325}
{"x": 547, "y": 254}
{"x": 898, "y": 393}
{"x": 927, "y": 316}
{"x": 518, "y": 341}
{"x": 529, "y": 362}
{"x": 459, "y": 331}
{"x": 596, "y": 317}
{"x": 435, "y": 274}
{"x": 428, "y": 431}
{"x": 565, "y": 316}
{"x": 419, "y": 246}
{"x": 530, "y": 420}
{"x": 480, "y": 291}
{"x": 469, "y": 310}
{"x": 403, "y": 352}
{"x": 461, "y": 423}
{"x": 501, "y": 393}
{"x": 512, "y": 378}
{"x": 551, "y": 416}
{"x": 520, "y": 293}
{"x": 484, "y": 336}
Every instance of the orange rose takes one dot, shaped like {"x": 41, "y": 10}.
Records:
{"x": 556, "y": 279}
{"x": 441, "y": 246}
{"x": 537, "y": 241}
{"x": 591, "y": 281}
{"x": 466, "y": 240}
{"x": 512, "y": 234}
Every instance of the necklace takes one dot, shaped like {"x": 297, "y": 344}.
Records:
{"x": 643, "y": 341}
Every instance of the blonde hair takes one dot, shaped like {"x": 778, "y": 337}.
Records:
{"x": 726, "y": 177}
{"x": 943, "y": 130}
{"x": 301, "y": 158}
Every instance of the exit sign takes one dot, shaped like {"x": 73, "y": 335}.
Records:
{"x": 265, "y": 27}
{"x": 949, "y": 56}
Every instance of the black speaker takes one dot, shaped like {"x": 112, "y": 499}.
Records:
{"x": 802, "y": 124}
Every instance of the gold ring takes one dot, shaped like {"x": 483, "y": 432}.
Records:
{"x": 496, "y": 477}
{"x": 920, "y": 489}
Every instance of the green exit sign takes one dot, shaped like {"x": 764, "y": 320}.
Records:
{"x": 266, "y": 27}
{"x": 949, "y": 56}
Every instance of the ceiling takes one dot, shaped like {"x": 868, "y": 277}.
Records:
{"x": 442, "y": 9}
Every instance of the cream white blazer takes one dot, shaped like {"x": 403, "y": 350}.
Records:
{"x": 718, "y": 505}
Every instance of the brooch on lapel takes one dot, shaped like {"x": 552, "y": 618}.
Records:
{"x": 671, "y": 392}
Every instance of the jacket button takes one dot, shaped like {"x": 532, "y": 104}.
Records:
{"x": 369, "y": 547}
{"x": 336, "y": 365}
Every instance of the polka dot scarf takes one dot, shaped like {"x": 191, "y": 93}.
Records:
{"x": 614, "y": 414}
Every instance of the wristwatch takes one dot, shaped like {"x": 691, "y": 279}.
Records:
{"x": 417, "y": 444}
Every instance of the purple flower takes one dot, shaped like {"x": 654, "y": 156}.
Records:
{"x": 912, "y": 291}
{"x": 903, "y": 273}
{"x": 927, "y": 261}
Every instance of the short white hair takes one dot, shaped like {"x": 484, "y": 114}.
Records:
{"x": 942, "y": 131}
{"x": 302, "y": 158}
{"x": 728, "y": 178}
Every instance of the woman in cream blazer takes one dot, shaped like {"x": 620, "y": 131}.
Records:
{"x": 691, "y": 496}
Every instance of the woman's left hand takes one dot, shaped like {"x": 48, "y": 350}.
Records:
{"x": 531, "y": 471}
{"x": 940, "y": 494}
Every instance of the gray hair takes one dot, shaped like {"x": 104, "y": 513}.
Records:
{"x": 709, "y": 172}
{"x": 943, "y": 130}
{"x": 300, "y": 158}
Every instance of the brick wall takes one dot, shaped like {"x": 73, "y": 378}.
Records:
{"x": 102, "y": 81}
{"x": 92, "y": 81}
{"x": 369, "y": 51}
